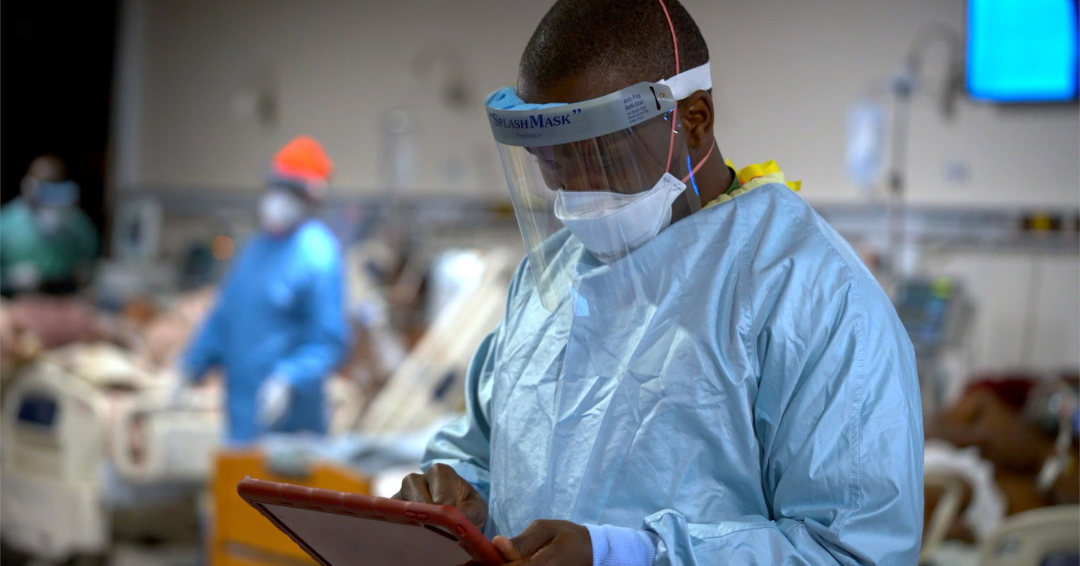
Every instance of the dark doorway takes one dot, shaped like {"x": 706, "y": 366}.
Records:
{"x": 56, "y": 91}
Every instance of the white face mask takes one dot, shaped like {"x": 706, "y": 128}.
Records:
{"x": 49, "y": 219}
{"x": 281, "y": 211}
{"x": 611, "y": 225}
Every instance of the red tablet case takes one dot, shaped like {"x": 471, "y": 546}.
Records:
{"x": 350, "y": 529}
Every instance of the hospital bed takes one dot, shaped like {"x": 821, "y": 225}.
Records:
{"x": 87, "y": 432}
{"x": 937, "y": 314}
{"x": 431, "y": 381}
{"x": 1030, "y": 537}
{"x": 944, "y": 515}
{"x": 53, "y": 430}
{"x": 82, "y": 425}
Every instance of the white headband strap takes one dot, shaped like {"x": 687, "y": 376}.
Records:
{"x": 690, "y": 81}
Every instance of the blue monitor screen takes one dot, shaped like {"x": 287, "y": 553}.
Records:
{"x": 1022, "y": 50}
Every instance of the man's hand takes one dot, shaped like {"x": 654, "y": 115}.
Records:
{"x": 441, "y": 485}
{"x": 548, "y": 543}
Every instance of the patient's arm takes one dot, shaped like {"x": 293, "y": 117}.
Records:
{"x": 981, "y": 419}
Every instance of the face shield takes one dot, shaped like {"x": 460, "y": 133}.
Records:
{"x": 608, "y": 173}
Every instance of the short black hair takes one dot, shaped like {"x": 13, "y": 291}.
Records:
{"x": 629, "y": 37}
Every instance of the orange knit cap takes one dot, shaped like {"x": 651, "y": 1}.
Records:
{"x": 304, "y": 159}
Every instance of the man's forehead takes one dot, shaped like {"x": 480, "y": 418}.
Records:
{"x": 586, "y": 85}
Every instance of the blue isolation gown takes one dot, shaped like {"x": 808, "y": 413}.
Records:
{"x": 281, "y": 312}
{"x": 56, "y": 257}
{"x": 757, "y": 404}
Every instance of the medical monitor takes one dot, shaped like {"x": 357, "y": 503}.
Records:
{"x": 1022, "y": 50}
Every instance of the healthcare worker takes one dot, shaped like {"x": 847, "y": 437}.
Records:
{"x": 693, "y": 368}
{"x": 278, "y": 329}
{"x": 47, "y": 244}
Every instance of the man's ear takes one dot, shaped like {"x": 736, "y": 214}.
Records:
{"x": 696, "y": 115}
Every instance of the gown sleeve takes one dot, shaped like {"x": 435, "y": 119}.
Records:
{"x": 840, "y": 428}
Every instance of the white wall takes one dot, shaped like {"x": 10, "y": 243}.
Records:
{"x": 785, "y": 71}
{"x": 338, "y": 67}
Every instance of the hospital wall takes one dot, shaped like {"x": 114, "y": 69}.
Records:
{"x": 191, "y": 74}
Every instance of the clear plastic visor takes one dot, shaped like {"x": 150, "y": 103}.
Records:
{"x": 613, "y": 192}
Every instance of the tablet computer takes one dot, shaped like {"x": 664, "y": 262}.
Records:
{"x": 350, "y": 529}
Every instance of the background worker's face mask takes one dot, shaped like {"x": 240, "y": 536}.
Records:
{"x": 281, "y": 210}
{"x": 51, "y": 203}
{"x": 614, "y": 171}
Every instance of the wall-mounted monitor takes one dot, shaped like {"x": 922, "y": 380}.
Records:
{"x": 1022, "y": 50}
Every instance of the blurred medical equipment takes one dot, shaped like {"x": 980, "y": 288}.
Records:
{"x": 53, "y": 434}
{"x": 945, "y": 229}
{"x": 936, "y": 314}
{"x": 454, "y": 83}
{"x": 908, "y": 81}
{"x": 65, "y": 417}
{"x": 1053, "y": 405}
{"x": 378, "y": 347}
{"x": 153, "y": 441}
{"x": 117, "y": 283}
{"x": 1022, "y": 50}
{"x": 867, "y": 131}
{"x": 865, "y": 144}
{"x": 129, "y": 554}
{"x": 1029, "y": 538}
{"x": 136, "y": 229}
{"x": 87, "y": 432}
{"x": 452, "y": 273}
{"x": 398, "y": 156}
{"x": 430, "y": 382}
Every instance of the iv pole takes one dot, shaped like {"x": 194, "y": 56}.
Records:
{"x": 903, "y": 88}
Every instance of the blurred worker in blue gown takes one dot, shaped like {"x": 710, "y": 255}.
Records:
{"x": 278, "y": 329}
{"x": 47, "y": 244}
